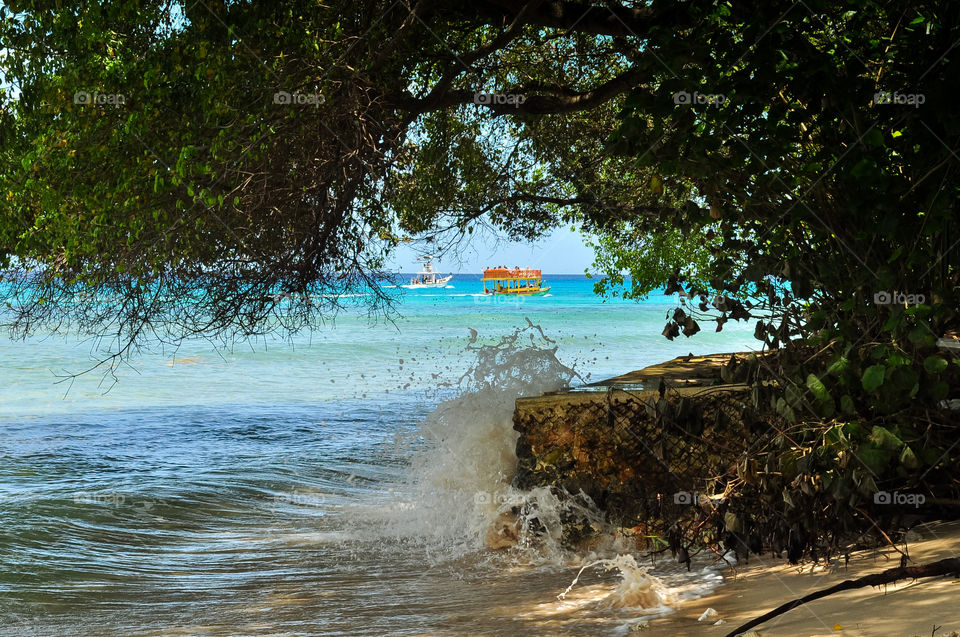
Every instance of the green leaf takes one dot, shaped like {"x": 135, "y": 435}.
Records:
{"x": 853, "y": 429}
{"x": 934, "y": 364}
{"x": 786, "y": 410}
{"x": 908, "y": 459}
{"x": 839, "y": 366}
{"x": 867, "y": 485}
{"x": 846, "y": 404}
{"x": 818, "y": 388}
{"x": 896, "y": 359}
{"x": 873, "y": 377}
{"x": 876, "y": 460}
{"x": 834, "y": 436}
{"x": 883, "y": 438}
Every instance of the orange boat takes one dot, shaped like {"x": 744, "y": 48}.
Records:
{"x": 518, "y": 281}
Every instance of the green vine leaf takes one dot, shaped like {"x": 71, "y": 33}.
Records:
{"x": 873, "y": 377}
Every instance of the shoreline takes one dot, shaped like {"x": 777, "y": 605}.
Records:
{"x": 906, "y": 608}
{"x": 570, "y": 439}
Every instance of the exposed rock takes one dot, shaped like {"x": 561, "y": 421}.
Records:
{"x": 640, "y": 454}
{"x": 504, "y": 532}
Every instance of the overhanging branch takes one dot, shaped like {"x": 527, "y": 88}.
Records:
{"x": 610, "y": 19}
{"x": 570, "y": 102}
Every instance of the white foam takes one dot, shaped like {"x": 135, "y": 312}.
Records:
{"x": 459, "y": 477}
{"x": 637, "y": 590}
{"x": 458, "y": 491}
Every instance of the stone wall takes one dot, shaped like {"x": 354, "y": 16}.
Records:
{"x": 639, "y": 454}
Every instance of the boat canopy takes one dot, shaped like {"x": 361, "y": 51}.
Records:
{"x": 493, "y": 274}
{"x": 523, "y": 281}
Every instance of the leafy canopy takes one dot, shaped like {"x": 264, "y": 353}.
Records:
{"x": 219, "y": 167}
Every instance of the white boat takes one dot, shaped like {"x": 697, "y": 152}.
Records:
{"x": 427, "y": 277}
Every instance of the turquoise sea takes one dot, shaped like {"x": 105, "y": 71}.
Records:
{"x": 337, "y": 482}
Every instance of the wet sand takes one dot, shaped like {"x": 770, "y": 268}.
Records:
{"x": 906, "y": 608}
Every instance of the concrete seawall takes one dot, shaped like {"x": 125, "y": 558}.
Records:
{"x": 640, "y": 453}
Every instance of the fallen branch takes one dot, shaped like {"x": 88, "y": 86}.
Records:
{"x": 950, "y": 565}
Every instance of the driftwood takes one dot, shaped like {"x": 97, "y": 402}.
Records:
{"x": 950, "y": 565}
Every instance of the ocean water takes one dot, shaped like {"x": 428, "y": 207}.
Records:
{"x": 339, "y": 482}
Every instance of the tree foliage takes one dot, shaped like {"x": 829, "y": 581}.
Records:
{"x": 176, "y": 168}
{"x": 266, "y": 158}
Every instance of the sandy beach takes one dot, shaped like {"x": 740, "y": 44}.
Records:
{"x": 907, "y": 608}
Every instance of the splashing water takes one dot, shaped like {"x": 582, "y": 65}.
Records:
{"x": 637, "y": 589}
{"x": 465, "y": 450}
{"x": 457, "y": 501}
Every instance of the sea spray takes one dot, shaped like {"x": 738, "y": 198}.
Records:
{"x": 637, "y": 590}
{"x": 459, "y": 476}
{"x": 457, "y": 500}
{"x": 544, "y": 518}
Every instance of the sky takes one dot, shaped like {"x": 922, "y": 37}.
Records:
{"x": 564, "y": 252}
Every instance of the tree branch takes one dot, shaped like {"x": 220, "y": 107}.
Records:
{"x": 534, "y": 104}
{"x": 943, "y": 567}
{"x": 612, "y": 19}
{"x": 468, "y": 58}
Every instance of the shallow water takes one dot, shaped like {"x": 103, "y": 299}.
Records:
{"x": 338, "y": 484}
